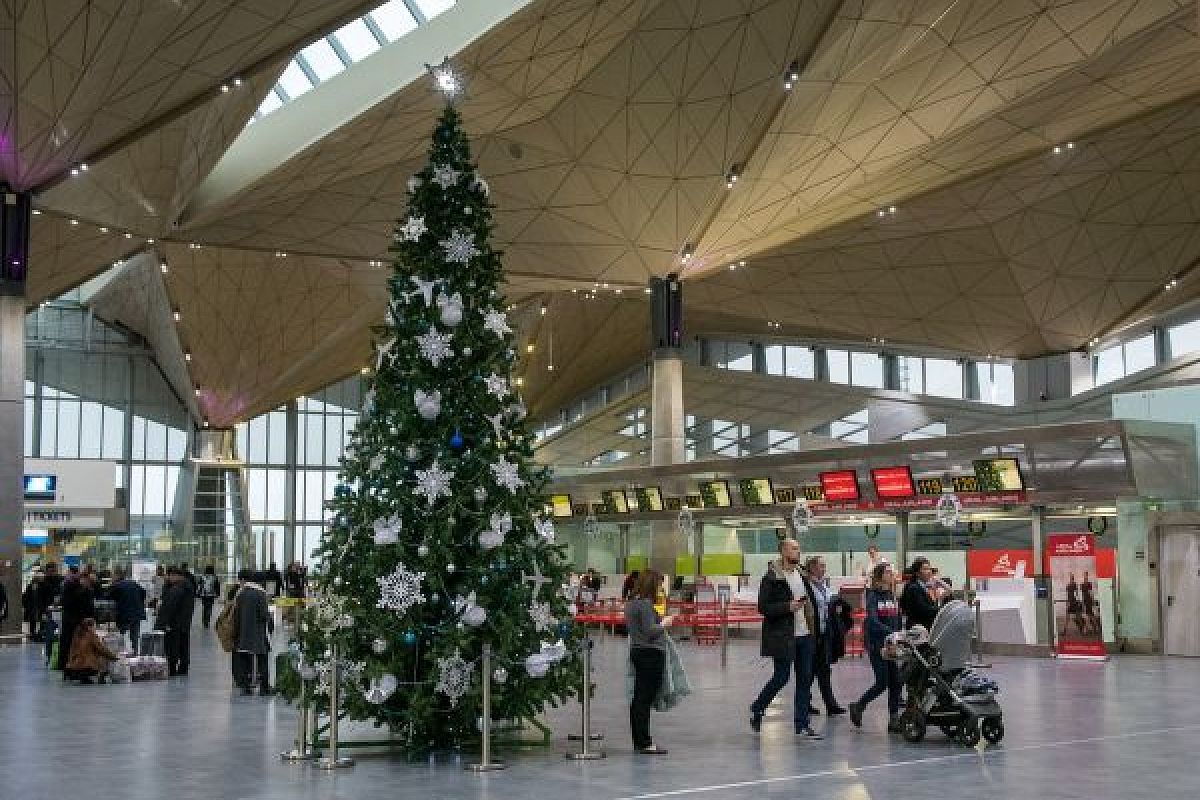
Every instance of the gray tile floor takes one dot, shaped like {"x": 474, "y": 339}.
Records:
{"x": 1125, "y": 729}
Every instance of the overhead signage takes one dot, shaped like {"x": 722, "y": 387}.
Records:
{"x": 756, "y": 491}
{"x": 693, "y": 501}
{"x": 840, "y": 486}
{"x": 998, "y": 475}
{"x": 965, "y": 484}
{"x": 648, "y": 498}
{"x": 893, "y": 483}
{"x": 930, "y": 486}
{"x": 580, "y": 509}
{"x": 715, "y": 494}
{"x": 614, "y": 501}
{"x": 560, "y": 506}
{"x": 923, "y": 502}
{"x": 813, "y": 493}
{"x": 64, "y": 518}
{"x": 673, "y": 503}
{"x": 785, "y": 494}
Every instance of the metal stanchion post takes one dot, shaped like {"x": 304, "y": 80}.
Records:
{"x": 586, "y": 753}
{"x": 587, "y": 685}
{"x": 485, "y": 754}
{"x": 979, "y": 663}
{"x": 333, "y": 761}
{"x": 302, "y": 751}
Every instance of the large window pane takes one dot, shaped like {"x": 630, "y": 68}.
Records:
{"x": 294, "y": 81}
{"x": 28, "y": 428}
{"x": 176, "y": 444}
{"x": 912, "y": 378}
{"x": 156, "y": 441}
{"x": 91, "y": 430}
{"x": 256, "y": 493}
{"x": 256, "y": 449}
{"x": 323, "y": 60}
{"x": 1184, "y": 338}
{"x": 333, "y": 438}
{"x": 943, "y": 377}
{"x": 866, "y": 369}
{"x": 68, "y": 429}
{"x": 1139, "y": 354}
{"x": 394, "y": 19}
{"x": 739, "y": 357}
{"x": 156, "y": 491}
{"x": 277, "y": 437}
{"x": 357, "y": 40}
{"x": 1109, "y": 365}
{"x": 276, "y": 486}
{"x": 314, "y": 438}
{"x": 114, "y": 433}
{"x": 775, "y": 359}
{"x": 800, "y": 362}
{"x": 839, "y": 366}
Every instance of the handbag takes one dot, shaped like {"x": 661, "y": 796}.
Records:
{"x": 226, "y": 625}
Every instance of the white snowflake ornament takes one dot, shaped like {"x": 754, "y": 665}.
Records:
{"x": 435, "y": 346}
{"x": 497, "y": 385}
{"x": 545, "y": 528}
{"x": 507, "y": 474}
{"x": 454, "y": 677}
{"x": 433, "y": 483}
{"x": 400, "y": 590}
{"x": 541, "y": 616}
{"x": 459, "y": 247}
{"x": 412, "y": 229}
{"x": 387, "y": 531}
{"x": 445, "y": 175}
{"x": 496, "y": 322}
{"x": 451, "y": 307}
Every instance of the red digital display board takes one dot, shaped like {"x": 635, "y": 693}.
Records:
{"x": 893, "y": 483}
{"x": 840, "y": 486}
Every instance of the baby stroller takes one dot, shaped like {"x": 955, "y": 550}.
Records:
{"x": 941, "y": 689}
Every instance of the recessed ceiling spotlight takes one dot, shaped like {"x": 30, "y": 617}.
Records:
{"x": 689, "y": 250}
{"x": 128, "y": 235}
{"x": 549, "y": 368}
{"x": 791, "y": 75}
{"x": 187, "y": 356}
{"x": 74, "y": 222}
{"x": 1057, "y": 149}
{"x": 519, "y": 381}
{"x": 37, "y": 212}
{"x": 647, "y": 290}
{"x": 175, "y": 313}
{"x": 237, "y": 82}
{"x": 163, "y": 268}
{"x": 365, "y": 371}
{"x": 83, "y": 167}
{"x": 1070, "y": 145}
{"x": 732, "y": 267}
{"x": 543, "y": 309}
{"x": 529, "y": 348}
{"x": 224, "y": 88}
{"x": 891, "y": 209}
{"x": 149, "y": 241}
{"x": 103, "y": 229}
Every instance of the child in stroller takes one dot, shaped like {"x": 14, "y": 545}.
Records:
{"x": 942, "y": 690}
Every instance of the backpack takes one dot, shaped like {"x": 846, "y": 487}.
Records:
{"x": 226, "y": 625}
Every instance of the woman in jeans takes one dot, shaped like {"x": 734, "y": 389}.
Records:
{"x": 883, "y": 619}
{"x": 648, "y": 652}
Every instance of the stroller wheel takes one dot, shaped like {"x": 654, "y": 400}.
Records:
{"x": 968, "y": 735}
{"x": 912, "y": 726}
{"x": 993, "y": 729}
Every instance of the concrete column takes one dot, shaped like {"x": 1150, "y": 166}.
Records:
{"x": 290, "y": 551}
{"x": 901, "y": 541}
{"x": 12, "y": 453}
{"x": 666, "y": 409}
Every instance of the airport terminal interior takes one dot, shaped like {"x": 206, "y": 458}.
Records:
{"x": 412, "y": 398}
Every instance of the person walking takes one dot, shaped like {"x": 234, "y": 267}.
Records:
{"x": 273, "y": 581}
{"x": 883, "y": 619}
{"x": 922, "y": 595}
{"x": 648, "y": 653}
{"x": 129, "y": 599}
{"x": 254, "y": 626}
{"x": 787, "y": 636}
{"x": 296, "y": 581}
{"x": 157, "y": 585}
{"x": 175, "y": 619}
{"x": 825, "y": 630}
{"x": 31, "y": 605}
{"x": 210, "y": 590}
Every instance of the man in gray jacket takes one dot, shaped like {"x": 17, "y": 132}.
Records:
{"x": 253, "y": 627}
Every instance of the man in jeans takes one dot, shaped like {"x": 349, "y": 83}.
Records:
{"x": 130, "y": 600}
{"x": 827, "y": 626}
{"x": 788, "y": 623}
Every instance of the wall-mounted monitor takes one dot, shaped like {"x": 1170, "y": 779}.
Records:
{"x": 560, "y": 506}
{"x": 785, "y": 494}
{"x": 615, "y": 501}
{"x": 715, "y": 494}
{"x": 965, "y": 483}
{"x": 813, "y": 493}
{"x": 40, "y": 487}
{"x": 756, "y": 491}
{"x": 893, "y": 483}
{"x": 930, "y": 486}
{"x": 647, "y": 498}
{"x": 673, "y": 503}
{"x": 693, "y": 501}
{"x": 840, "y": 486}
{"x": 999, "y": 475}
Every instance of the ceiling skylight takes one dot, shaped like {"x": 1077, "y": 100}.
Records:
{"x": 325, "y": 58}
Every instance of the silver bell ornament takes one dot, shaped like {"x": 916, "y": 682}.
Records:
{"x": 499, "y": 675}
{"x": 411, "y": 453}
{"x": 481, "y": 495}
{"x": 450, "y": 568}
{"x": 422, "y": 550}
{"x": 379, "y": 647}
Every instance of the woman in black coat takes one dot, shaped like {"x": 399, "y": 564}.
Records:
{"x": 917, "y": 601}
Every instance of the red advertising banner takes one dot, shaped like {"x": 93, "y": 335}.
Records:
{"x": 922, "y": 503}
{"x": 999, "y": 563}
{"x": 1073, "y": 573}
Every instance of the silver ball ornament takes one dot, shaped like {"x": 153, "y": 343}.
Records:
{"x": 450, "y": 568}
{"x": 466, "y": 351}
{"x": 379, "y": 647}
{"x": 422, "y": 550}
{"x": 481, "y": 495}
{"x": 411, "y": 453}
{"x": 499, "y": 675}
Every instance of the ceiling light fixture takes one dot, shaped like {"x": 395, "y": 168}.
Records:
{"x": 791, "y": 76}
{"x": 74, "y": 222}
{"x": 543, "y": 309}
{"x": 647, "y": 290}
{"x": 163, "y": 268}
{"x": 224, "y": 88}
{"x": 365, "y": 371}
{"x": 83, "y": 167}
{"x": 237, "y": 82}
{"x": 732, "y": 176}
{"x": 689, "y": 250}
{"x": 37, "y": 212}
{"x": 529, "y": 348}
{"x": 175, "y": 313}
{"x": 187, "y": 356}
{"x": 103, "y": 229}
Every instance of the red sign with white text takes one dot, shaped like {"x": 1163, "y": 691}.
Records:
{"x": 893, "y": 483}
{"x": 840, "y": 486}
{"x": 1000, "y": 563}
{"x": 1073, "y": 574}
{"x": 922, "y": 503}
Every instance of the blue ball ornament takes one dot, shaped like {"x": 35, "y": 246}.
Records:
{"x": 564, "y": 629}
{"x": 456, "y": 441}
{"x": 410, "y": 638}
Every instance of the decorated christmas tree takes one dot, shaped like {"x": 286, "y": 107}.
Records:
{"x": 439, "y": 540}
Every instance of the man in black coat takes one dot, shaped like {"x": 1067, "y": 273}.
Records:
{"x": 253, "y": 626}
{"x": 175, "y": 619}
{"x": 787, "y": 636}
{"x": 78, "y": 604}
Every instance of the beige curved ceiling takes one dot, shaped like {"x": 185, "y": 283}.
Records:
{"x": 606, "y": 131}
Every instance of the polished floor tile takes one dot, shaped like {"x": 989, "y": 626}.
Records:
{"x": 1122, "y": 729}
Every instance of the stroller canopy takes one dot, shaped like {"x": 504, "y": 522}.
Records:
{"x": 951, "y": 634}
